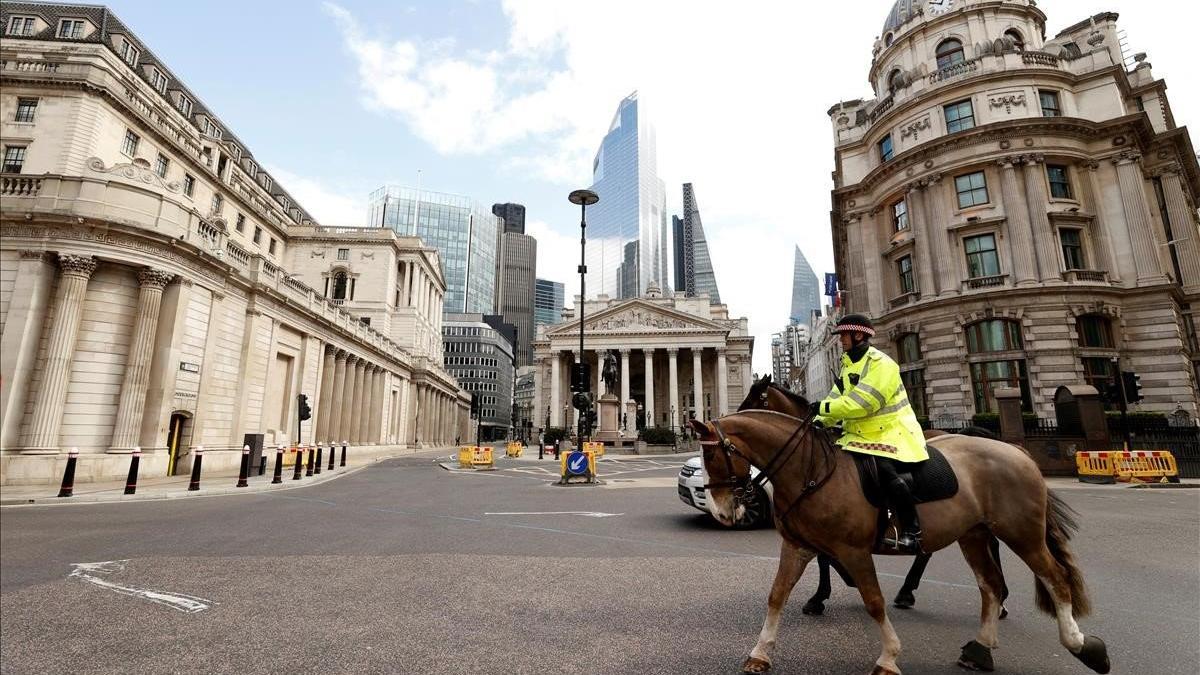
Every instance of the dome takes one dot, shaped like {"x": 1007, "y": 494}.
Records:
{"x": 901, "y": 12}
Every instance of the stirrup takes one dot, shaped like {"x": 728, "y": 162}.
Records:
{"x": 907, "y": 543}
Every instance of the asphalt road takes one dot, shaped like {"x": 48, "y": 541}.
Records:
{"x": 399, "y": 568}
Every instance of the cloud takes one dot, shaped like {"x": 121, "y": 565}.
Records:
{"x": 558, "y": 256}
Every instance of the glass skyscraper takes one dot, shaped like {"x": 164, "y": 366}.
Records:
{"x": 632, "y": 207}
{"x": 464, "y": 232}
{"x": 548, "y": 302}
{"x": 806, "y": 294}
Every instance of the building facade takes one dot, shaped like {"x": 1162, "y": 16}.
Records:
{"x": 1018, "y": 212}
{"x": 480, "y": 357}
{"x": 465, "y": 234}
{"x": 548, "y": 302}
{"x": 513, "y": 216}
{"x": 145, "y": 292}
{"x": 515, "y": 279}
{"x": 806, "y": 294}
{"x": 693, "y": 266}
{"x": 632, "y": 207}
{"x": 679, "y": 358}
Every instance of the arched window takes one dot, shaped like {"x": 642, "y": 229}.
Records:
{"x": 1018, "y": 41}
{"x": 949, "y": 53}
{"x": 887, "y": 40}
{"x": 339, "y": 286}
{"x": 996, "y": 335}
{"x": 1095, "y": 333}
{"x": 908, "y": 348}
{"x": 895, "y": 81}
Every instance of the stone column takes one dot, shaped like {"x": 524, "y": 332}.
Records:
{"x": 1044, "y": 238}
{"x": 698, "y": 380}
{"x": 722, "y": 383}
{"x": 1016, "y": 213}
{"x": 325, "y": 394}
{"x": 1137, "y": 217}
{"x": 360, "y": 401}
{"x": 60, "y": 352}
{"x": 375, "y": 425}
{"x": 1101, "y": 228}
{"x": 21, "y": 336}
{"x": 649, "y": 407}
{"x": 555, "y": 389}
{"x": 876, "y": 295}
{"x": 338, "y": 395}
{"x": 673, "y": 387}
{"x": 624, "y": 378}
{"x": 938, "y": 203}
{"x": 856, "y": 295}
{"x": 128, "y": 424}
{"x": 1183, "y": 229}
{"x": 346, "y": 419}
{"x": 920, "y": 227}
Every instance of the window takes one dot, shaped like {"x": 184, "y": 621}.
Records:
{"x": 1072, "y": 248}
{"x": 1095, "y": 331}
{"x": 161, "y": 165}
{"x": 994, "y": 335}
{"x": 885, "y": 148}
{"x": 70, "y": 28}
{"x": 339, "y": 286}
{"x": 271, "y": 246}
{"x": 1072, "y": 51}
{"x": 1098, "y": 371}
{"x": 343, "y": 254}
{"x": 914, "y": 386}
{"x": 211, "y": 129}
{"x": 904, "y": 267}
{"x": 900, "y": 215}
{"x": 908, "y": 348}
{"x": 26, "y": 107}
{"x": 257, "y": 234}
{"x": 959, "y": 116}
{"x": 241, "y": 223}
{"x": 1141, "y": 104}
{"x": 1049, "y": 102}
{"x": 130, "y": 144}
{"x": 982, "y": 260}
{"x": 1015, "y": 35}
{"x": 185, "y": 105}
{"x": 21, "y": 25}
{"x": 158, "y": 80}
{"x": 949, "y": 53}
{"x": 129, "y": 53}
{"x": 218, "y": 203}
{"x": 971, "y": 189}
{"x": 1060, "y": 187}
{"x": 895, "y": 81}
{"x": 189, "y": 184}
{"x": 14, "y": 158}
{"x": 988, "y": 376}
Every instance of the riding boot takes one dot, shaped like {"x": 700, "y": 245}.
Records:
{"x": 901, "y": 501}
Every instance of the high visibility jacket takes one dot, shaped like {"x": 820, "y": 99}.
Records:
{"x": 870, "y": 401}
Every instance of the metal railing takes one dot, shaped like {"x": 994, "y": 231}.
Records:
{"x": 985, "y": 282}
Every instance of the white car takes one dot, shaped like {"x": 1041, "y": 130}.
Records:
{"x": 691, "y": 492}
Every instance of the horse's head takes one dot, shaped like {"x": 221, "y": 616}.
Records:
{"x": 728, "y": 472}
{"x": 766, "y": 395}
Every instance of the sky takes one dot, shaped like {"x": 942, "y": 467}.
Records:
{"x": 508, "y": 102}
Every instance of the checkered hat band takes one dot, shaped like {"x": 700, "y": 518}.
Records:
{"x": 851, "y": 327}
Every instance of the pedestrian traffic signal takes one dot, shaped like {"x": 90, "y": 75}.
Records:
{"x": 1132, "y": 382}
{"x": 302, "y": 406}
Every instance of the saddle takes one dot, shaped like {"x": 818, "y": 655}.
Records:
{"x": 929, "y": 481}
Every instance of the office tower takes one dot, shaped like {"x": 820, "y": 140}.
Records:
{"x": 513, "y": 215}
{"x": 806, "y": 295}
{"x": 627, "y": 272}
{"x": 515, "y": 274}
{"x": 677, "y": 246}
{"x": 548, "y": 302}
{"x": 692, "y": 254}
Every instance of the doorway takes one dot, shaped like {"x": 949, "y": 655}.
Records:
{"x": 174, "y": 436}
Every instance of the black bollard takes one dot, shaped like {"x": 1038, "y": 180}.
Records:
{"x": 332, "y": 453}
{"x": 320, "y": 460}
{"x": 244, "y": 470}
{"x": 299, "y": 463}
{"x": 309, "y": 469}
{"x": 195, "y": 484}
{"x": 343, "y": 455}
{"x": 131, "y": 481}
{"x": 262, "y": 464}
{"x": 68, "y": 483}
{"x": 277, "y": 477}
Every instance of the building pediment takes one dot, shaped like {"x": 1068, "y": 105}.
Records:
{"x": 637, "y": 316}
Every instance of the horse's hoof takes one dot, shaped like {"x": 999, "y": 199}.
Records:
{"x": 880, "y": 670}
{"x": 976, "y": 657}
{"x": 1094, "y": 654}
{"x": 812, "y": 608}
{"x": 1003, "y": 612}
{"x": 754, "y": 665}
{"x": 904, "y": 600}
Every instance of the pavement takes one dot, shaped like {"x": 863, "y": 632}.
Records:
{"x": 404, "y": 567}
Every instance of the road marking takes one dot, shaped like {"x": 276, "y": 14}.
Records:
{"x": 189, "y": 604}
{"x": 589, "y": 514}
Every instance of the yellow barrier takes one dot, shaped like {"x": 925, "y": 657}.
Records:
{"x": 595, "y": 447}
{"x": 1144, "y": 465}
{"x": 591, "y": 463}
{"x": 1095, "y": 467}
{"x": 482, "y": 456}
{"x": 513, "y": 450}
{"x": 465, "y": 454}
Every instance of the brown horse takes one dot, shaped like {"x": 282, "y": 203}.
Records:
{"x": 820, "y": 507}
{"x": 766, "y": 395}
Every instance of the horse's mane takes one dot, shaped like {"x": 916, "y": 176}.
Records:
{"x": 792, "y": 396}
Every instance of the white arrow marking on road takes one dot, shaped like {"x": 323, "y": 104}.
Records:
{"x": 189, "y": 604}
{"x": 589, "y": 514}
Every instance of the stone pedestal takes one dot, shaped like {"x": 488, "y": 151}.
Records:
{"x": 610, "y": 413}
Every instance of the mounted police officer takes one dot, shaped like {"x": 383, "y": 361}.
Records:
{"x": 869, "y": 400}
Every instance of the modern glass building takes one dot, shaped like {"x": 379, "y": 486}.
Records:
{"x": 632, "y": 206}
{"x": 464, "y": 232}
{"x": 806, "y": 294}
{"x": 693, "y": 266}
{"x": 548, "y": 302}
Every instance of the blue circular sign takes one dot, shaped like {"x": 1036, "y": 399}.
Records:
{"x": 577, "y": 463}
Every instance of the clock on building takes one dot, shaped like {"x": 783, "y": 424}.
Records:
{"x": 937, "y": 7}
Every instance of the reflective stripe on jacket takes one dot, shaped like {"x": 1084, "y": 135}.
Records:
{"x": 870, "y": 401}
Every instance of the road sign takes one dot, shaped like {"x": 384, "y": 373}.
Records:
{"x": 577, "y": 463}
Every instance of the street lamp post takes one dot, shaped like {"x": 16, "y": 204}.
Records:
{"x": 583, "y": 198}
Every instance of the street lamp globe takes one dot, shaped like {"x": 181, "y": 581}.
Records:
{"x": 583, "y": 197}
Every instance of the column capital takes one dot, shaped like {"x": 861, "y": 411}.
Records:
{"x": 1034, "y": 158}
{"x": 29, "y": 254}
{"x": 1009, "y": 162}
{"x": 351, "y": 359}
{"x": 1126, "y": 157}
{"x": 330, "y": 350}
{"x": 1088, "y": 164}
{"x": 149, "y": 277}
{"x": 672, "y": 351}
{"x": 914, "y": 186}
{"x": 341, "y": 354}
{"x": 624, "y": 351}
{"x": 1168, "y": 169}
{"x": 77, "y": 265}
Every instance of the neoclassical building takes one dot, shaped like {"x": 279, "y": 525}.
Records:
{"x": 159, "y": 290}
{"x": 679, "y": 356}
{"x": 1016, "y": 210}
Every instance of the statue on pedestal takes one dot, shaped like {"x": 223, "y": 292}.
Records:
{"x": 609, "y": 372}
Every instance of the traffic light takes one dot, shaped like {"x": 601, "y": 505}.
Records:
{"x": 302, "y": 406}
{"x": 475, "y": 404}
{"x": 582, "y": 401}
{"x": 581, "y": 377}
{"x": 1132, "y": 382}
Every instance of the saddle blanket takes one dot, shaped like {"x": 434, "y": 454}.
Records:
{"x": 929, "y": 481}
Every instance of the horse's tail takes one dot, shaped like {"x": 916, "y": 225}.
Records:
{"x": 1061, "y": 523}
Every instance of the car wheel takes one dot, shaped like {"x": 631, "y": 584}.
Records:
{"x": 758, "y": 510}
